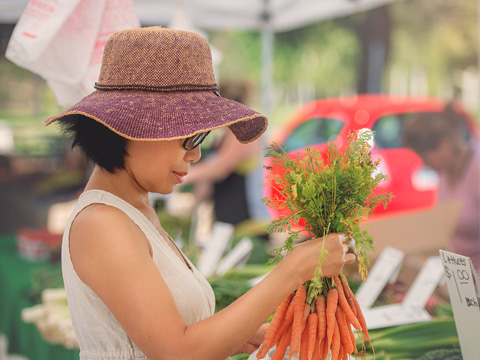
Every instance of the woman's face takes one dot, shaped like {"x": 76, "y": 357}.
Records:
{"x": 157, "y": 166}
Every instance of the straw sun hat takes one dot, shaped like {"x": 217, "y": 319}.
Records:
{"x": 158, "y": 84}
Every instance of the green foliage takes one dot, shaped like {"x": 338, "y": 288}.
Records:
{"x": 438, "y": 37}
{"x": 415, "y": 341}
{"x": 332, "y": 194}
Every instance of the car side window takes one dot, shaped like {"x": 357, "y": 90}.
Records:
{"x": 388, "y": 131}
{"x": 313, "y": 132}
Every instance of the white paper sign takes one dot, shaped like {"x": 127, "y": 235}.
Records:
{"x": 425, "y": 283}
{"x": 394, "y": 315}
{"x": 235, "y": 256}
{"x": 385, "y": 269}
{"x": 412, "y": 308}
{"x": 220, "y": 238}
{"x": 464, "y": 289}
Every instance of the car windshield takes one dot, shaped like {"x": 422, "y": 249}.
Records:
{"x": 314, "y": 131}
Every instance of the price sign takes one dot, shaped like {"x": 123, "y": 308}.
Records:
{"x": 464, "y": 289}
{"x": 385, "y": 269}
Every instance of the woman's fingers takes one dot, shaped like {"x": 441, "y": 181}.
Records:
{"x": 350, "y": 258}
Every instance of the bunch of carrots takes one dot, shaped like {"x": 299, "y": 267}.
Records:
{"x": 328, "y": 193}
{"x": 313, "y": 331}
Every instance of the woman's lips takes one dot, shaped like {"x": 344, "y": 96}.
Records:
{"x": 180, "y": 176}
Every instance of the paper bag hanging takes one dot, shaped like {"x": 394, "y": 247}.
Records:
{"x": 63, "y": 41}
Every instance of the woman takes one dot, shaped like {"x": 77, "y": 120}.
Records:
{"x": 444, "y": 143}
{"x": 132, "y": 293}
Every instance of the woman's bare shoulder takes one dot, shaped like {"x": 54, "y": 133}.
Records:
{"x": 101, "y": 235}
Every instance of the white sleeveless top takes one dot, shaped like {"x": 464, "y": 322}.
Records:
{"x": 99, "y": 334}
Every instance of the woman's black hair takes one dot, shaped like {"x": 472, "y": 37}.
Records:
{"x": 97, "y": 142}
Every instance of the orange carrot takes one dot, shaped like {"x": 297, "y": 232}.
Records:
{"x": 312, "y": 333}
{"x": 273, "y": 327}
{"x": 360, "y": 317}
{"x": 342, "y": 301}
{"x": 352, "y": 337}
{"x": 322, "y": 317}
{"x": 306, "y": 312}
{"x": 298, "y": 316}
{"x": 287, "y": 320}
{"x": 352, "y": 305}
{"x": 332, "y": 301}
{"x": 283, "y": 344}
{"x": 343, "y": 330}
{"x": 304, "y": 345}
{"x": 325, "y": 349}
{"x": 317, "y": 353}
{"x": 336, "y": 343}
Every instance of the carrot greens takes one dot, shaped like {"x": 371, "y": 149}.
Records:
{"x": 331, "y": 194}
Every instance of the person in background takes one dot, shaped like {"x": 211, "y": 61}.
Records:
{"x": 232, "y": 175}
{"x": 444, "y": 143}
{"x": 132, "y": 293}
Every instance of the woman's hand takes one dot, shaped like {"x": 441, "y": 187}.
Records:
{"x": 306, "y": 254}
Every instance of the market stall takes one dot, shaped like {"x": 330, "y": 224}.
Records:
{"x": 18, "y": 293}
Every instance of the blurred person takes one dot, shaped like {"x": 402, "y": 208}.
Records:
{"x": 6, "y": 169}
{"x": 132, "y": 293}
{"x": 442, "y": 140}
{"x": 232, "y": 175}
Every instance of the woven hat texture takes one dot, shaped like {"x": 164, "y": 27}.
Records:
{"x": 158, "y": 84}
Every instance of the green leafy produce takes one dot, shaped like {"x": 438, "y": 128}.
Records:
{"x": 443, "y": 354}
{"x": 330, "y": 194}
{"x": 413, "y": 341}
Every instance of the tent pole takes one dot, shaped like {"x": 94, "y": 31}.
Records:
{"x": 266, "y": 75}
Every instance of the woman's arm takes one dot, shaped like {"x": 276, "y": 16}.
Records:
{"x": 111, "y": 255}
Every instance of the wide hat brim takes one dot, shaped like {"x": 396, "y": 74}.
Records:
{"x": 153, "y": 115}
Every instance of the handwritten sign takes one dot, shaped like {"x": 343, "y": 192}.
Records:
{"x": 464, "y": 289}
{"x": 385, "y": 269}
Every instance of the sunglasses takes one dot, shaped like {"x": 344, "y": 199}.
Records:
{"x": 192, "y": 142}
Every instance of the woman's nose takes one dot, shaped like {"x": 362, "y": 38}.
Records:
{"x": 193, "y": 155}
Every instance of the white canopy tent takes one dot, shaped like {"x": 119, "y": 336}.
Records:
{"x": 266, "y": 16}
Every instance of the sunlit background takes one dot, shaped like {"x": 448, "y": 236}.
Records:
{"x": 404, "y": 48}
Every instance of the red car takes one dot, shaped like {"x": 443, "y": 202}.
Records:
{"x": 320, "y": 122}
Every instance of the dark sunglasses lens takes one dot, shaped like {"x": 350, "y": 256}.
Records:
{"x": 193, "y": 141}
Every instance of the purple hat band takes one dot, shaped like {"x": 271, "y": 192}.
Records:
{"x": 158, "y": 84}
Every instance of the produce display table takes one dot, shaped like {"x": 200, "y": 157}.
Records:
{"x": 15, "y": 280}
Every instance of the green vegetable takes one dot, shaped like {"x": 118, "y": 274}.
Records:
{"x": 333, "y": 193}
{"x": 409, "y": 342}
{"x": 443, "y": 354}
